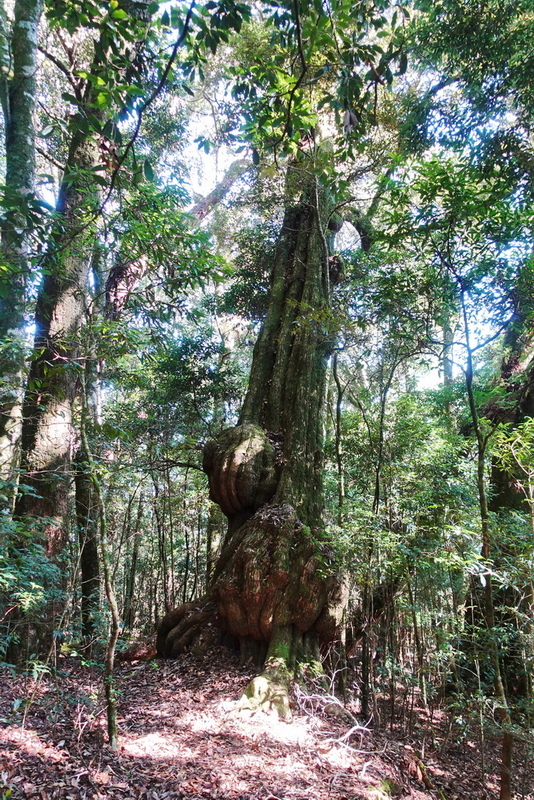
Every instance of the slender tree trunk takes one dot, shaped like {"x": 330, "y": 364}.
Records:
{"x": 172, "y": 568}
{"x": 109, "y": 680}
{"x": 129, "y": 605}
{"x": 503, "y": 712}
{"x": 87, "y": 523}
{"x": 187, "y": 547}
{"x": 448, "y": 353}
{"x": 86, "y": 502}
{"x": 18, "y": 83}
{"x": 365, "y": 662}
{"x": 159, "y": 507}
{"x": 338, "y": 442}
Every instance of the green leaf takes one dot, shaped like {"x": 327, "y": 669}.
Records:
{"x": 148, "y": 171}
{"x": 176, "y": 17}
{"x": 69, "y": 98}
{"x": 47, "y": 131}
{"x": 107, "y": 130}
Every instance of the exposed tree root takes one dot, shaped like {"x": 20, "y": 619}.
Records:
{"x": 269, "y": 691}
{"x": 289, "y": 653}
{"x": 182, "y": 626}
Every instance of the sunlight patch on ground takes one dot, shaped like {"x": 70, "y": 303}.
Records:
{"x": 205, "y": 724}
{"x": 29, "y": 741}
{"x": 161, "y": 713}
{"x": 286, "y": 764}
{"x": 254, "y": 730}
{"x": 248, "y": 724}
{"x": 258, "y": 725}
{"x": 155, "y": 745}
{"x": 341, "y": 757}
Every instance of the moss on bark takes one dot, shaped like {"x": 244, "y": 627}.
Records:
{"x": 275, "y": 583}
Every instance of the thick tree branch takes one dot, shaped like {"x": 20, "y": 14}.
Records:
{"x": 235, "y": 171}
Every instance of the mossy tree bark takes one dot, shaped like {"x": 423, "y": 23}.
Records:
{"x": 54, "y": 377}
{"x": 273, "y": 587}
{"x": 55, "y": 373}
{"x": 47, "y": 434}
{"x": 47, "y": 438}
{"x": 18, "y": 63}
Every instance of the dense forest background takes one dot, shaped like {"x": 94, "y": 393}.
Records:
{"x": 287, "y": 244}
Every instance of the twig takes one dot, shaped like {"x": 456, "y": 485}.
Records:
{"x": 364, "y": 769}
{"x": 313, "y": 703}
{"x": 9, "y": 610}
{"x": 59, "y": 64}
{"x": 148, "y": 102}
{"x": 426, "y": 780}
{"x": 50, "y": 158}
{"x": 299, "y": 80}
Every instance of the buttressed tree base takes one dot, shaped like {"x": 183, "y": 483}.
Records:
{"x": 275, "y": 588}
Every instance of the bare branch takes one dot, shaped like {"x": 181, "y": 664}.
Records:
{"x": 50, "y": 158}
{"x": 235, "y": 171}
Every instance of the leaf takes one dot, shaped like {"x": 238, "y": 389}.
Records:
{"x": 69, "y": 98}
{"x": 255, "y": 157}
{"x": 47, "y": 131}
{"x": 176, "y": 17}
{"x": 148, "y": 171}
{"x": 107, "y": 129}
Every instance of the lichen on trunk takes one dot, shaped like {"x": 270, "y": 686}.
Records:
{"x": 274, "y": 587}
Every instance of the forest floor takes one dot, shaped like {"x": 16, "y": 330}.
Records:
{"x": 182, "y": 737}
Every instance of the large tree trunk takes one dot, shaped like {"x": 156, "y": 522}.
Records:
{"x": 47, "y": 434}
{"x": 48, "y": 437}
{"x": 274, "y": 587}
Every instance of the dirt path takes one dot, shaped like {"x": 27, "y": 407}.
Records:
{"x": 181, "y": 737}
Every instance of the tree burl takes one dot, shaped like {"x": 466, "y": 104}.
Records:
{"x": 275, "y": 588}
